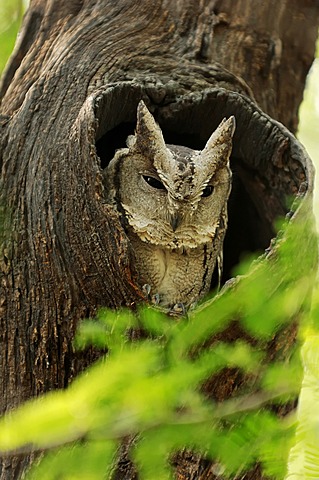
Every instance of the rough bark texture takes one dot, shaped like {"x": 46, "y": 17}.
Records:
{"x": 69, "y": 98}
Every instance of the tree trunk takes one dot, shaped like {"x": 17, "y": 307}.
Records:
{"x": 69, "y": 97}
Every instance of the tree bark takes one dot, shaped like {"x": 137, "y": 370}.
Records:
{"x": 69, "y": 97}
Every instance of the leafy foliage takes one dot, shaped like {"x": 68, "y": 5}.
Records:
{"x": 304, "y": 456}
{"x": 151, "y": 389}
{"x": 11, "y": 12}
{"x": 309, "y": 120}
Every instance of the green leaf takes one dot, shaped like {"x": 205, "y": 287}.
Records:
{"x": 151, "y": 389}
{"x": 85, "y": 461}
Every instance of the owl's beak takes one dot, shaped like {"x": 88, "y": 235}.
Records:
{"x": 175, "y": 221}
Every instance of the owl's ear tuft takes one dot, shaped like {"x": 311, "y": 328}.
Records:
{"x": 223, "y": 134}
{"x": 148, "y": 135}
{"x": 218, "y": 147}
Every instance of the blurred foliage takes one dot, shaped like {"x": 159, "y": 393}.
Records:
{"x": 11, "y": 12}
{"x": 308, "y": 128}
{"x": 150, "y": 389}
{"x": 304, "y": 457}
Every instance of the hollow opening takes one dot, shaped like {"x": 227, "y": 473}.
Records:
{"x": 114, "y": 139}
{"x": 259, "y": 163}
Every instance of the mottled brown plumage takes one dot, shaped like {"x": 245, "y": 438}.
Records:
{"x": 174, "y": 205}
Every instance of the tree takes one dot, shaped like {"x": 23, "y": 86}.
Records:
{"x": 69, "y": 96}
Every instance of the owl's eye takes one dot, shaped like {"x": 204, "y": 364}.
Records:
{"x": 208, "y": 190}
{"x": 153, "y": 182}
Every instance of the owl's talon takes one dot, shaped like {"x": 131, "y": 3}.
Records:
{"x": 179, "y": 309}
{"x": 146, "y": 289}
{"x": 156, "y": 299}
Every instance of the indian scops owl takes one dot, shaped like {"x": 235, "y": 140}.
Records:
{"x": 173, "y": 201}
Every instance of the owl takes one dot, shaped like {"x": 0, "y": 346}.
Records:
{"x": 173, "y": 204}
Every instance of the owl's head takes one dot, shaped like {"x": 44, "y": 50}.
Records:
{"x": 173, "y": 196}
